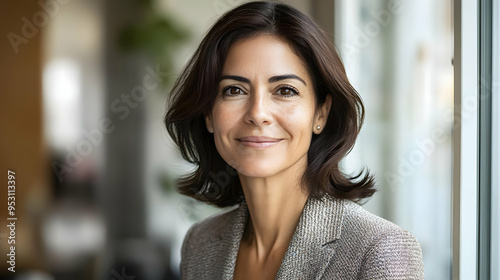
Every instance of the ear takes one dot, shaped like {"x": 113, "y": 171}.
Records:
{"x": 209, "y": 123}
{"x": 322, "y": 115}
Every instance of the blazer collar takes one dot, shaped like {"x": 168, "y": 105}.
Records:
{"x": 312, "y": 244}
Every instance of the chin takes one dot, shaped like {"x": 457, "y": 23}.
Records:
{"x": 257, "y": 171}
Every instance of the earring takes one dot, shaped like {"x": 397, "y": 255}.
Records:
{"x": 318, "y": 127}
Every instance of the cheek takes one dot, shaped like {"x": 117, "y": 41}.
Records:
{"x": 224, "y": 118}
{"x": 222, "y": 139}
{"x": 299, "y": 119}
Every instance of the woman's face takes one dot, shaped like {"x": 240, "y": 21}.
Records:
{"x": 264, "y": 113}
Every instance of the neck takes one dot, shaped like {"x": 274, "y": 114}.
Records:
{"x": 275, "y": 205}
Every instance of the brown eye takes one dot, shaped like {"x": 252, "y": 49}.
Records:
{"x": 287, "y": 91}
{"x": 232, "y": 91}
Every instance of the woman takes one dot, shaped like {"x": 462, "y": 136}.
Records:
{"x": 266, "y": 112}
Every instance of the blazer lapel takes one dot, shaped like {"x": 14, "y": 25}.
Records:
{"x": 313, "y": 243}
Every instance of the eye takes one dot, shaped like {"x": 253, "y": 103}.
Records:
{"x": 232, "y": 90}
{"x": 287, "y": 91}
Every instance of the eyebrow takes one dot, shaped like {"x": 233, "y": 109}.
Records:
{"x": 273, "y": 79}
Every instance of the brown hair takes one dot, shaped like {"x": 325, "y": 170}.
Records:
{"x": 194, "y": 92}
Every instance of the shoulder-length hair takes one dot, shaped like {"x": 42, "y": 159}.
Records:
{"x": 194, "y": 92}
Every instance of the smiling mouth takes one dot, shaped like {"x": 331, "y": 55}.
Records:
{"x": 258, "y": 141}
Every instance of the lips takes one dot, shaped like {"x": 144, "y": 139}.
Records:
{"x": 258, "y": 141}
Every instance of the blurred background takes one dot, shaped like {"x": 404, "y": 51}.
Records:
{"x": 83, "y": 88}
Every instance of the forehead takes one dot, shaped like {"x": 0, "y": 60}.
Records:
{"x": 265, "y": 55}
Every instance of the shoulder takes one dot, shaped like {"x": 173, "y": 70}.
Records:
{"x": 211, "y": 226}
{"x": 204, "y": 241}
{"x": 383, "y": 249}
{"x": 208, "y": 229}
{"x": 366, "y": 223}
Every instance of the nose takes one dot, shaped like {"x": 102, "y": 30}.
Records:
{"x": 259, "y": 106}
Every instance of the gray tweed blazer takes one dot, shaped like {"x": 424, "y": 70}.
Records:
{"x": 334, "y": 239}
